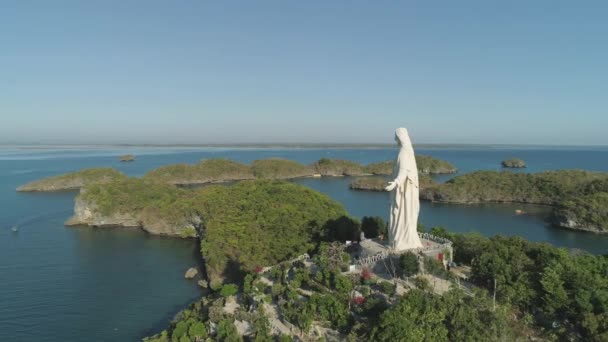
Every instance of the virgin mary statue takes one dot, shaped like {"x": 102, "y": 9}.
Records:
{"x": 405, "y": 204}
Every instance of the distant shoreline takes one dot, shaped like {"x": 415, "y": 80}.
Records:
{"x": 296, "y": 146}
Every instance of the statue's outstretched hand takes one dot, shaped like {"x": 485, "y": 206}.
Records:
{"x": 391, "y": 186}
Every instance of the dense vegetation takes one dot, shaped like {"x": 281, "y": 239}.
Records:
{"x": 588, "y": 209}
{"x": 565, "y": 293}
{"x": 426, "y": 165}
{"x": 140, "y": 197}
{"x": 337, "y": 167}
{"x": 349, "y": 306}
{"x": 206, "y": 171}
{"x": 579, "y": 196}
{"x": 246, "y": 225}
{"x": 74, "y": 180}
{"x": 259, "y": 223}
{"x": 376, "y": 183}
{"x": 513, "y": 163}
{"x": 277, "y": 168}
{"x": 225, "y": 170}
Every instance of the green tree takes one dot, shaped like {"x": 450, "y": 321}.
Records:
{"x": 226, "y": 332}
{"x": 372, "y": 227}
{"x": 554, "y": 295}
{"x": 229, "y": 290}
{"x": 408, "y": 264}
{"x": 418, "y": 317}
{"x": 198, "y": 331}
{"x": 343, "y": 229}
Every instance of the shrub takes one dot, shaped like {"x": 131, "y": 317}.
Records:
{"x": 229, "y": 290}
{"x": 408, "y": 264}
{"x": 373, "y": 226}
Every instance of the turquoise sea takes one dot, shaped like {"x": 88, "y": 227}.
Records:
{"x": 84, "y": 284}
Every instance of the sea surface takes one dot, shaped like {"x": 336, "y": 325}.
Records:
{"x": 84, "y": 284}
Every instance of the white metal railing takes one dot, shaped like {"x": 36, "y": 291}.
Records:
{"x": 442, "y": 244}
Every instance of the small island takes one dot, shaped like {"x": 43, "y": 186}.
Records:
{"x": 579, "y": 198}
{"x": 513, "y": 163}
{"x": 72, "y": 180}
{"x": 127, "y": 158}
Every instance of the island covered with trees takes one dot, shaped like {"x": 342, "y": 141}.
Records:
{"x": 73, "y": 180}
{"x": 513, "y": 163}
{"x": 579, "y": 198}
{"x": 224, "y": 170}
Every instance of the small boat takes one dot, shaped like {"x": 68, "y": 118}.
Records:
{"x": 519, "y": 212}
{"x": 14, "y": 228}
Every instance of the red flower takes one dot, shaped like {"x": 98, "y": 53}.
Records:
{"x": 366, "y": 274}
{"x": 258, "y": 269}
{"x": 359, "y": 300}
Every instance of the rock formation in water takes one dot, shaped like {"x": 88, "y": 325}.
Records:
{"x": 514, "y": 163}
{"x": 191, "y": 273}
{"x": 127, "y": 158}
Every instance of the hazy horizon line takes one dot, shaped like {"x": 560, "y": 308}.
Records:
{"x": 285, "y": 144}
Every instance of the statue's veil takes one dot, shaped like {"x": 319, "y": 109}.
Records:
{"x": 406, "y": 155}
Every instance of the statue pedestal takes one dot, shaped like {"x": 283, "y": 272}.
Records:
{"x": 373, "y": 251}
{"x": 371, "y": 247}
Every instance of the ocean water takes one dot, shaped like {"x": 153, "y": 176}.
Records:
{"x": 82, "y": 284}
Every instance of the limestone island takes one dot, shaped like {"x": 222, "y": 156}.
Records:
{"x": 579, "y": 198}
{"x": 220, "y": 170}
{"x": 513, "y": 163}
{"x": 73, "y": 180}
{"x": 127, "y": 158}
{"x": 232, "y": 221}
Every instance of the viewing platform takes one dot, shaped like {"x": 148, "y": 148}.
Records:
{"x": 371, "y": 251}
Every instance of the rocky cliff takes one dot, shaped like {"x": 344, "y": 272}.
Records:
{"x": 149, "y": 219}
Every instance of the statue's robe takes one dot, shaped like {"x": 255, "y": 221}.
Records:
{"x": 405, "y": 203}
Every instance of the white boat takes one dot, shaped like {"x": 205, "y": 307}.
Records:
{"x": 14, "y": 228}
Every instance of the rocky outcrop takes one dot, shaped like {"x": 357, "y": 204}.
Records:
{"x": 514, "y": 163}
{"x": 86, "y": 213}
{"x": 191, "y": 273}
{"x": 127, "y": 158}
{"x": 570, "y": 223}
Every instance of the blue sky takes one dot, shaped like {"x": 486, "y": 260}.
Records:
{"x": 533, "y": 72}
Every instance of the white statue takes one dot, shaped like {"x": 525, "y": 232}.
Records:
{"x": 405, "y": 204}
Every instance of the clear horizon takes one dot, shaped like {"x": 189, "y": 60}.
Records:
{"x": 283, "y": 72}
